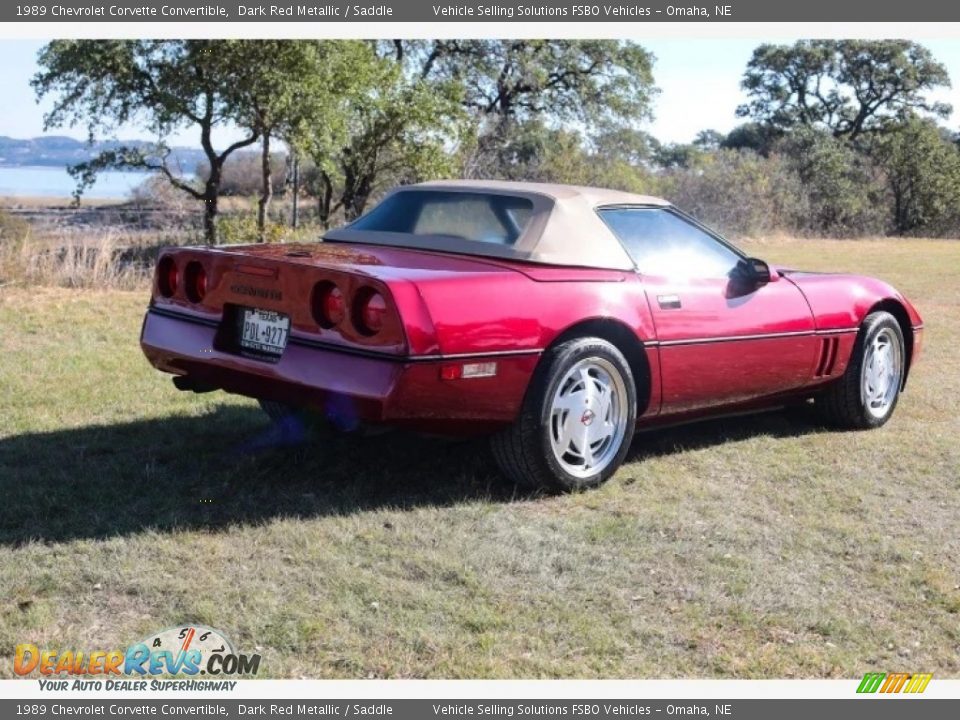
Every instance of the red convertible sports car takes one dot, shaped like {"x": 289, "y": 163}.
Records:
{"x": 556, "y": 319}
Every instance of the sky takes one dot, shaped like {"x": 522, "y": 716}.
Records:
{"x": 699, "y": 81}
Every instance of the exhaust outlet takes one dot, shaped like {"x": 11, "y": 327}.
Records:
{"x": 187, "y": 383}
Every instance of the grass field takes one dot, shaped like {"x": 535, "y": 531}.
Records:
{"x": 753, "y": 547}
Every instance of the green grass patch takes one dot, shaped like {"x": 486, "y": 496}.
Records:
{"x": 751, "y": 547}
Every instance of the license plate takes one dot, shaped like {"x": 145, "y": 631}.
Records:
{"x": 264, "y": 331}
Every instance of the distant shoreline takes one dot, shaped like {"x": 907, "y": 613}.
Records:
{"x": 51, "y": 163}
{"x": 59, "y": 151}
{"x": 24, "y": 202}
{"x": 54, "y": 182}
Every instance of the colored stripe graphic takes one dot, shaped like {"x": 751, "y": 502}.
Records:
{"x": 918, "y": 683}
{"x": 871, "y": 682}
{"x": 894, "y": 683}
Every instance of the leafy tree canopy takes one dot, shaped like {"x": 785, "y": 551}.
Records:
{"x": 922, "y": 169}
{"x": 262, "y": 87}
{"x": 403, "y": 126}
{"x": 846, "y": 86}
{"x": 590, "y": 82}
{"x": 159, "y": 85}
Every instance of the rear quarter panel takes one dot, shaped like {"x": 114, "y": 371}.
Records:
{"x": 512, "y": 311}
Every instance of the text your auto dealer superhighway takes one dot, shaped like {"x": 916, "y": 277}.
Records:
{"x": 138, "y": 11}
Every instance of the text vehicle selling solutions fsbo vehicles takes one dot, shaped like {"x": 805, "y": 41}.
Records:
{"x": 556, "y": 319}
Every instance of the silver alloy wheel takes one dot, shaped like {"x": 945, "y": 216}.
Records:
{"x": 882, "y": 373}
{"x": 588, "y": 417}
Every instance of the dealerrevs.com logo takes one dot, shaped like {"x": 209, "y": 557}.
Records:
{"x": 189, "y": 650}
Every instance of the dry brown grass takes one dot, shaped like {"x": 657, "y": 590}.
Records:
{"x": 18, "y": 202}
{"x": 44, "y": 202}
{"x": 72, "y": 262}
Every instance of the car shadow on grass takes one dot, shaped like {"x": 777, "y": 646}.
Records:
{"x": 229, "y": 467}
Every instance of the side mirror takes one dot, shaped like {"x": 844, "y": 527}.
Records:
{"x": 754, "y": 272}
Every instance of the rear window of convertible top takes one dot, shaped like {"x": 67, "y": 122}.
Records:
{"x": 479, "y": 217}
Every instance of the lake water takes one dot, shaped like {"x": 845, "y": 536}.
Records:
{"x": 55, "y": 182}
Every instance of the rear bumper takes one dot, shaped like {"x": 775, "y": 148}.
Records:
{"x": 365, "y": 387}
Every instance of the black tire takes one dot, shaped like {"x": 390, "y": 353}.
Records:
{"x": 842, "y": 403}
{"x": 524, "y": 452}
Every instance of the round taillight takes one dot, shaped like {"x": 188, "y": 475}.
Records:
{"x": 167, "y": 276}
{"x": 370, "y": 309}
{"x": 195, "y": 281}
{"x": 329, "y": 306}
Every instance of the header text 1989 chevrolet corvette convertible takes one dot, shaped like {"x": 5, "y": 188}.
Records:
{"x": 554, "y": 318}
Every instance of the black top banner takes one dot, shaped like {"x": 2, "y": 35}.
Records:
{"x": 94, "y": 11}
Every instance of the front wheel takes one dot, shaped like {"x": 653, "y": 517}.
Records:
{"x": 577, "y": 419}
{"x": 867, "y": 393}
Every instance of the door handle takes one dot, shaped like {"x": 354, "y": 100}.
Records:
{"x": 669, "y": 302}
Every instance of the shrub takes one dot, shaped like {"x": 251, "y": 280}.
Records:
{"x": 922, "y": 172}
{"x": 12, "y": 229}
{"x": 738, "y": 192}
{"x": 156, "y": 191}
{"x": 71, "y": 262}
{"x": 241, "y": 229}
{"x": 14, "y": 233}
{"x": 844, "y": 196}
{"x": 242, "y": 174}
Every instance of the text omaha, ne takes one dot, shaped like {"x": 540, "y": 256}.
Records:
{"x": 457, "y": 11}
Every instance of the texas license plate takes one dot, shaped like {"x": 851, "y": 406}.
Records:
{"x": 264, "y": 331}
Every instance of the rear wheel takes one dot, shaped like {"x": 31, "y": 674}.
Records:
{"x": 866, "y": 395}
{"x": 577, "y": 419}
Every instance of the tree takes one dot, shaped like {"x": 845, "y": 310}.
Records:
{"x": 679, "y": 155}
{"x": 843, "y": 194}
{"x": 591, "y": 81}
{"x": 629, "y": 145}
{"x": 296, "y": 91}
{"x": 738, "y": 192}
{"x": 242, "y": 173}
{"x": 709, "y": 139}
{"x": 563, "y": 157}
{"x": 753, "y": 136}
{"x": 400, "y": 127}
{"x": 165, "y": 85}
{"x": 849, "y": 87}
{"x": 599, "y": 85}
{"x": 922, "y": 169}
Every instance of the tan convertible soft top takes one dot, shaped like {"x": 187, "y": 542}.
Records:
{"x": 564, "y": 228}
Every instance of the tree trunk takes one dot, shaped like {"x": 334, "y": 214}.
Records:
{"x": 267, "y": 192}
{"x": 210, "y": 220}
{"x": 211, "y": 189}
{"x": 324, "y": 199}
{"x": 355, "y": 196}
{"x": 898, "y": 209}
{"x": 295, "y": 205}
{"x": 211, "y": 197}
{"x": 357, "y": 183}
